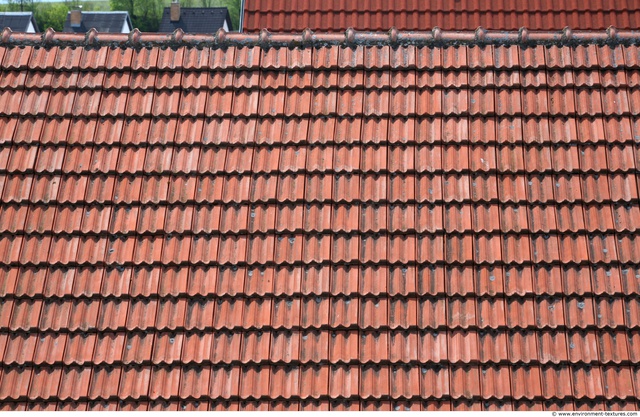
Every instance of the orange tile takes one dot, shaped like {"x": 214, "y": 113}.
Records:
{"x": 336, "y": 210}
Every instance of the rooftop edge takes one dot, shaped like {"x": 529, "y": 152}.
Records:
{"x": 308, "y": 38}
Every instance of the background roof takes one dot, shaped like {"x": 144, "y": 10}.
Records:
{"x": 196, "y": 20}
{"x": 364, "y": 227}
{"x": 110, "y": 22}
{"x": 338, "y": 15}
{"x": 17, "y": 21}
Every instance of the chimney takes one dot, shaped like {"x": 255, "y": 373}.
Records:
{"x": 76, "y": 17}
{"x": 175, "y": 10}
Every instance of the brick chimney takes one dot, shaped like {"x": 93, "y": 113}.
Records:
{"x": 75, "y": 17}
{"x": 175, "y": 10}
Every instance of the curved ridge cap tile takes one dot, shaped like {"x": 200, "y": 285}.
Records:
{"x": 307, "y": 38}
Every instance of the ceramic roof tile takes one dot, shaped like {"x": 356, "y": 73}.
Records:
{"x": 475, "y": 212}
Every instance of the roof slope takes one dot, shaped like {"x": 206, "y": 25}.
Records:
{"x": 196, "y": 20}
{"x": 18, "y": 21}
{"x": 364, "y": 227}
{"x": 105, "y": 22}
{"x": 338, "y": 15}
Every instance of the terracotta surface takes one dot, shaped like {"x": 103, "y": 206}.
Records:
{"x": 338, "y": 15}
{"x": 425, "y": 227}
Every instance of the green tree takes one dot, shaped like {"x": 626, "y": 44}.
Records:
{"x": 232, "y": 5}
{"x": 20, "y": 6}
{"x": 145, "y": 14}
{"x": 73, "y": 4}
{"x": 51, "y": 15}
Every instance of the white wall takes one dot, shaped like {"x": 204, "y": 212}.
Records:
{"x": 125, "y": 27}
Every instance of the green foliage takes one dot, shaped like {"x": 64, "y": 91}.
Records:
{"x": 18, "y": 6}
{"x": 145, "y": 14}
{"x": 96, "y": 6}
{"x": 51, "y": 15}
{"x": 232, "y": 5}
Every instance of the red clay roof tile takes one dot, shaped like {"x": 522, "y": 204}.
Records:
{"x": 312, "y": 258}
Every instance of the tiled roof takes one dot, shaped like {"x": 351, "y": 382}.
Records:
{"x": 106, "y": 22}
{"x": 338, "y": 15}
{"x": 197, "y": 20}
{"x": 218, "y": 225}
{"x": 18, "y": 21}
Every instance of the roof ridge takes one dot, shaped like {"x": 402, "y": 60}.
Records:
{"x": 199, "y": 8}
{"x": 103, "y": 12}
{"x": 308, "y": 38}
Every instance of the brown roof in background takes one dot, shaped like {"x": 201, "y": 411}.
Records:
{"x": 338, "y": 15}
{"x": 333, "y": 227}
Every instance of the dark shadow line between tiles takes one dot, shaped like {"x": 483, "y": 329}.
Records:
{"x": 437, "y": 366}
{"x": 360, "y": 116}
{"x": 336, "y": 262}
{"x": 338, "y": 68}
{"x": 493, "y": 145}
{"x": 279, "y": 235}
{"x": 454, "y": 172}
{"x": 335, "y": 400}
{"x": 443, "y": 87}
{"x": 422, "y": 330}
{"x": 454, "y": 203}
{"x": 448, "y": 297}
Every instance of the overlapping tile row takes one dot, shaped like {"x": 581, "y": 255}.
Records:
{"x": 320, "y": 228}
{"x": 424, "y": 82}
{"x": 336, "y": 15}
